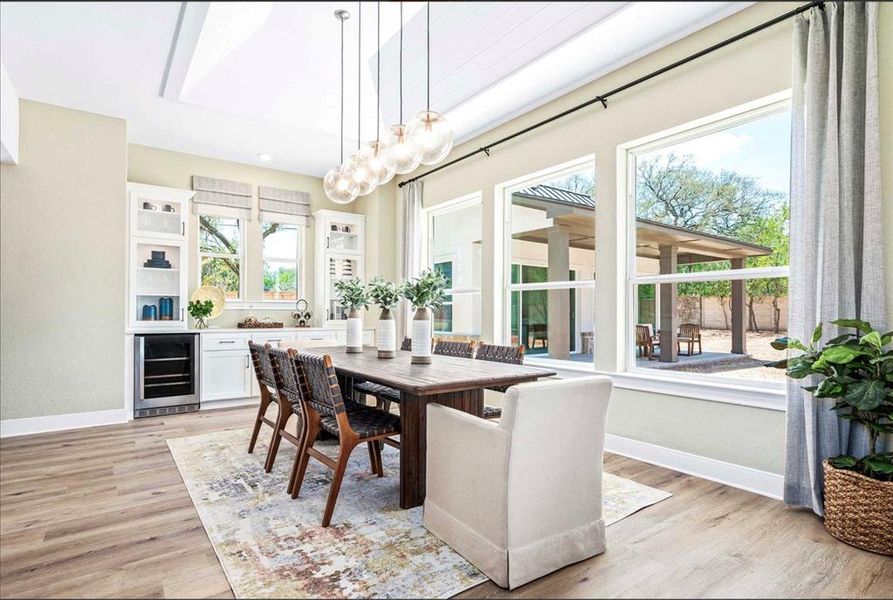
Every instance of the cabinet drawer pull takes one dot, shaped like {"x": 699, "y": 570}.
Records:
{"x": 226, "y": 342}
{"x": 274, "y": 340}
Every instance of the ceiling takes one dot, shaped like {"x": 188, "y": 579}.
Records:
{"x": 235, "y": 80}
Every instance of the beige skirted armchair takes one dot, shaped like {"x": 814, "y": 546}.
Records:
{"x": 522, "y": 497}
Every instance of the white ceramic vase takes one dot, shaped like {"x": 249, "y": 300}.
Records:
{"x": 386, "y": 334}
{"x": 421, "y": 337}
{"x": 354, "y": 331}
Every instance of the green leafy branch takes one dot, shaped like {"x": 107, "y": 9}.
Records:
{"x": 856, "y": 371}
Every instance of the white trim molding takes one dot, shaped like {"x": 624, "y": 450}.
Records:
{"x": 32, "y": 425}
{"x": 749, "y": 479}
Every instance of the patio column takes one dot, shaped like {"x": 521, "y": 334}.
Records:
{"x": 668, "y": 320}
{"x": 739, "y": 308}
{"x": 559, "y": 300}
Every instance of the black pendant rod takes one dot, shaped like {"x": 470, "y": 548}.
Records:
{"x": 603, "y": 98}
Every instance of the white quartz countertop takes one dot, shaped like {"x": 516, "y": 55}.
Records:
{"x": 236, "y": 329}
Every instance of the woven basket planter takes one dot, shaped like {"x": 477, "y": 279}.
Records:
{"x": 859, "y": 509}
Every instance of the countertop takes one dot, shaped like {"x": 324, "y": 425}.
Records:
{"x": 235, "y": 329}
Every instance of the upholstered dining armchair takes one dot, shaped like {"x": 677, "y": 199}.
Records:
{"x": 535, "y": 505}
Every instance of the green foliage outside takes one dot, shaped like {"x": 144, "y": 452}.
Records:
{"x": 856, "y": 371}
{"x": 674, "y": 191}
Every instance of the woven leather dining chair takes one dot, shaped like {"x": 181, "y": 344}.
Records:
{"x": 324, "y": 409}
{"x": 458, "y": 349}
{"x": 266, "y": 381}
{"x": 290, "y": 393}
{"x": 505, "y": 354}
{"x": 384, "y": 395}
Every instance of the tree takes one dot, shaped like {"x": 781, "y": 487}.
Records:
{"x": 223, "y": 272}
{"x": 582, "y": 183}
{"x": 675, "y": 191}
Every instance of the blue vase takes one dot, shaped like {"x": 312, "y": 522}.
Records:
{"x": 150, "y": 312}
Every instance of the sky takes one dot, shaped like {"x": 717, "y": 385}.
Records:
{"x": 761, "y": 149}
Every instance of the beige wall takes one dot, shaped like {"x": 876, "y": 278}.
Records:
{"x": 748, "y": 70}
{"x": 62, "y": 249}
{"x": 175, "y": 169}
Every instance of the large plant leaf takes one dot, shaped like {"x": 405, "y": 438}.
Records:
{"x": 840, "y": 339}
{"x": 866, "y": 395}
{"x": 843, "y": 462}
{"x": 873, "y": 338}
{"x": 829, "y": 388}
{"x": 800, "y": 370}
{"x": 841, "y": 354}
{"x": 878, "y": 466}
{"x": 817, "y": 333}
{"x": 863, "y": 326}
{"x": 779, "y": 343}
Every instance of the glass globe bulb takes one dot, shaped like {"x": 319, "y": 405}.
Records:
{"x": 375, "y": 162}
{"x": 432, "y": 135}
{"x": 339, "y": 187}
{"x": 401, "y": 154}
{"x": 365, "y": 179}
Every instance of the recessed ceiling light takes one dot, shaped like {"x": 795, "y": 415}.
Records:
{"x": 264, "y": 156}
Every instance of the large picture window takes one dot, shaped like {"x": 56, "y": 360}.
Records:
{"x": 552, "y": 262}
{"x": 282, "y": 260}
{"x": 708, "y": 254}
{"x": 454, "y": 249}
{"x": 221, "y": 250}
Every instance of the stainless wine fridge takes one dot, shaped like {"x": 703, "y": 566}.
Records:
{"x": 165, "y": 374}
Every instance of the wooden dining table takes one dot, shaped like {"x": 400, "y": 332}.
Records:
{"x": 451, "y": 381}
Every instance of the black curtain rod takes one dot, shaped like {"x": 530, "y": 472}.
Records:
{"x": 603, "y": 98}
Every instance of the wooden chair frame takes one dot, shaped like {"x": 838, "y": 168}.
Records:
{"x": 348, "y": 439}
{"x": 689, "y": 334}
{"x": 266, "y": 381}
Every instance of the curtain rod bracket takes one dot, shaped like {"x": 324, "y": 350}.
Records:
{"x": 486, "y": 151}
{"x": 604, "y": 101}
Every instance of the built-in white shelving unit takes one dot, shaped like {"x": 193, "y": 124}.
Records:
{"x": 340, "y": 250}
{"x": 157, "y": 225}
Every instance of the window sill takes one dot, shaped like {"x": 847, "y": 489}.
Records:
{"x": 742, "y": 394}
{"x": 259, "y": 305}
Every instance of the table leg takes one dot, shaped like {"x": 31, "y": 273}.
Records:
{"x": 413, "y": 424}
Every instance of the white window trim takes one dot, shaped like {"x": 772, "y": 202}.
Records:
{"x": 505, "y": 287}
{"x": 427, "y": 258}
{"x": 300, "y": 252}
{"x": 762, "y": 394}
{"x": 243, "y": 264}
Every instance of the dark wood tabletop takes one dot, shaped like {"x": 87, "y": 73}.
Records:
{"x": 451, "y": 381}
{"x": 444, "y": 374}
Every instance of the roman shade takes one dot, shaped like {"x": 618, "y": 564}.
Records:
{"x": 283, "y": 206}
{"x": 221, "y": 197}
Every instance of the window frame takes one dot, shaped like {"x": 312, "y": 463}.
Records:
{"x": 427, "y": 254}
{"x": 240, "y": 256}
{"x": 764, "y": 394}
{"x": 506, "y": 286}
{"x": 299, "y": 266}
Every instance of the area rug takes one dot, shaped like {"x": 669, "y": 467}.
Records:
{"x": 271, "y": 546}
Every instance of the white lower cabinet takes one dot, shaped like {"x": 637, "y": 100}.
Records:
{"x": 226, "y": 374}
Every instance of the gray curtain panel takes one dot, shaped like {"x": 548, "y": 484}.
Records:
{"x": 412, "y": 245}
{"x": 837, "y": 263}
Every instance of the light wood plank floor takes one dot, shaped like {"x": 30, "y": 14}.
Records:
{"x": 102, "y": 512}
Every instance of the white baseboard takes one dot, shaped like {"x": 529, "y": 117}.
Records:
{"x": 738, "y": 476}
{"x": 231, "y": 403}
{"x": 32, "y": 425}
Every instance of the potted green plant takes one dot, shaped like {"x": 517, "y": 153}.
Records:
{"x": 386, "y": 295}
{"x": 200, "y": 310}
{"x": 855, "y": 371}
{"x": 424, "y": 293}
{"x": 352, "y": 296}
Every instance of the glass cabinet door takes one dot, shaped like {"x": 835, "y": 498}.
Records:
{"x": 340, "y": 267}
{"x": 343, "y": 237}
{"x": 154, "y": 217}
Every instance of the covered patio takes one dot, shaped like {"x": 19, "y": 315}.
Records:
{"x": 569, "y": 223}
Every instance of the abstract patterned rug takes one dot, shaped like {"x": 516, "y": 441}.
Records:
{"x": 273, "y": 547}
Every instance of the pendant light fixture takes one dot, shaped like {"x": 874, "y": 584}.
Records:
{"x": 429, "y": 130}
{"x": 401, "y": 155}
{"x": 339, "y": 183}
{"x": 374, "y": 153}
{"x": 365, "y": 180}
